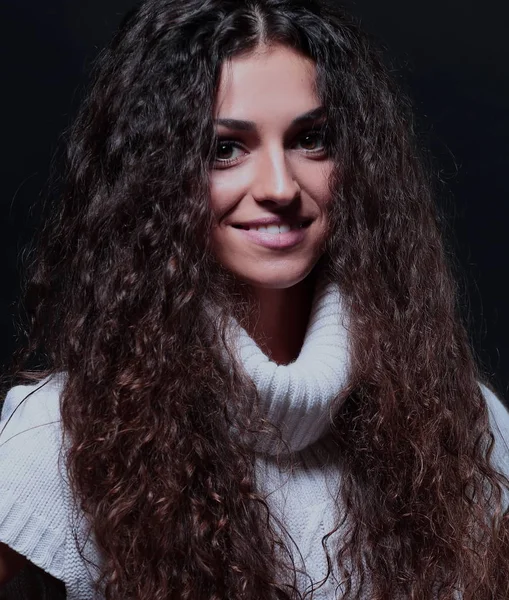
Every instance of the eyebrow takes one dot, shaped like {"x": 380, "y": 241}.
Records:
{"x": 239, "y": 125}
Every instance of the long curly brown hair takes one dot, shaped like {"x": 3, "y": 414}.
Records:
{"x": 116, "y": 301}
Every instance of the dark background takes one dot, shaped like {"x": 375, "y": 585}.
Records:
{"x": 450, "y": 55}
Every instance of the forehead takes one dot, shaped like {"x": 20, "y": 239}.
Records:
{"x": 274, "y": 82}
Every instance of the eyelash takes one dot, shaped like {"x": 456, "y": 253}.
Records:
{"x": 228, "y": 161}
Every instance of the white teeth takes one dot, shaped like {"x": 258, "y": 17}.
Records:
{"x": 273, "y": 229}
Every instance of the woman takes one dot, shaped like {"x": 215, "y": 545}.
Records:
{"x": 256, "y": 381}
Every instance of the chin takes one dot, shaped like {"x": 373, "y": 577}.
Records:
{"x": 275, "y": 279}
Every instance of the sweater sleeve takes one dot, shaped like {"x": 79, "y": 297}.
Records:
{"x": 32, "y": 506}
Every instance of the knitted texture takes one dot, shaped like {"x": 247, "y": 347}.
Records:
{"x": 297, "y": 397}
{"x": 37, "y": 515}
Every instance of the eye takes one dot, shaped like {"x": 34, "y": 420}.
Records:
{"x": 225, "y": 152}
{"x": 312, "y": 141}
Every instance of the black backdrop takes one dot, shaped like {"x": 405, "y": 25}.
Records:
{"x": 451, "y": 55}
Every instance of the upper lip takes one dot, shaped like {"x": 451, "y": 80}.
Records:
{"x": 271, "y": 220}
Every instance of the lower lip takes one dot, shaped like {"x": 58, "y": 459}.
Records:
{"x": 276, "y": 241}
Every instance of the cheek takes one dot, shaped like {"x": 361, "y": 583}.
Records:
{"x": 318, "y": 183}
{"x": 215, "y": 236}
{"x": 225, "y": 192}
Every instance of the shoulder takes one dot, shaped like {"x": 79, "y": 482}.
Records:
{"x": 497, "y": 412}
{"x": 499, "y": 425}
{"x": 30, "y": 420}
{"x": 33, "y": 519}
{"x": 30, "y": 404}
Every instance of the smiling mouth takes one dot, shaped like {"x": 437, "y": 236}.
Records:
{"x": 273, "y": 229}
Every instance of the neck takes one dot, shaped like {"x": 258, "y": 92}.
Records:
{"x": 279, "y": 322}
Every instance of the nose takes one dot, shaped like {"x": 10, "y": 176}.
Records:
{"x": 273, "y": 179}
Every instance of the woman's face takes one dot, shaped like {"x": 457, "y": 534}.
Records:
{"x": 269, "y": 182}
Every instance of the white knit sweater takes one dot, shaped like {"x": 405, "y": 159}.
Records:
{"x": 37, "y": 517}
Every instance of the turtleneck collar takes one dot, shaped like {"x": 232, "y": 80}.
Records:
{"x": 297, "y": 397}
